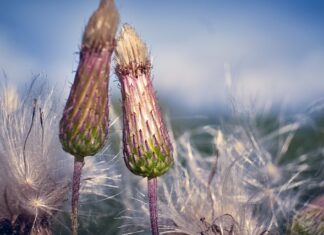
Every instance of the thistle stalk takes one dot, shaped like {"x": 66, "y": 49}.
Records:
{"x": 78, "y": 165}
{"x": 152, "y": 195}
{"x": 146, "y": 144}
{"x": 84, "y": 125}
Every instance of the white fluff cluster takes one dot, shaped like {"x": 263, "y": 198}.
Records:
{"x": 233, "y": 184}
{"x": 33, "y": 168}
{"x": 35, "y": 172}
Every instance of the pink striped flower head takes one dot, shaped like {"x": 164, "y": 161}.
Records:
{"x": 147, "y": 146}
{"x": 84, "y": 125}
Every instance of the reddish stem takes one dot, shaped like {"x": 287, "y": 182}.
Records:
{"x": 78, "y": 164}
{"x": 152, "y": 194}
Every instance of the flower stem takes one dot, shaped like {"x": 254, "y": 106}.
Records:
{"x": 78, "y": 164}
{"x": 152, "y": 194}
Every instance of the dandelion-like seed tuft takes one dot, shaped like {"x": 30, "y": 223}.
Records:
{"x": 34, "y": 176}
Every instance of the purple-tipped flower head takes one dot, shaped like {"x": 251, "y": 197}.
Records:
{"x": 84, "y": 125}
{"x": 147, "y": 146}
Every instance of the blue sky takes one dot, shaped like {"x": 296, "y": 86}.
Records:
{"x": 265, "y": 51}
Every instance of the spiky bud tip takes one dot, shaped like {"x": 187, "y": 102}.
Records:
{"x": 147, "y": 146}
{"x": 84, "y": 125}
{"x": 101, "y": 29}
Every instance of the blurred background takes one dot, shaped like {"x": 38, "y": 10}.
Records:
{"x": 264, "y": 55}
{"x": 271, "y": 52}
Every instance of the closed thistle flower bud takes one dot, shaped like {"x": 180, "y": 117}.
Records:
{"x": 84, "y": 125}
{"x": 147, "y": 146}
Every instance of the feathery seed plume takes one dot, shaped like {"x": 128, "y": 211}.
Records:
{"x": 33, "y": 172}
{"x": 236, "y": 187}
{"x": 10, "y": 100}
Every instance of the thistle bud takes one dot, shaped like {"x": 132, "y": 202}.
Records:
{"x": 147, "y": 146}
{"x": 84, "y": 125}
{"x": 310, "y": 220}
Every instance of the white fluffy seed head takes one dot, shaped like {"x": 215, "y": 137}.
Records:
{"x": 189, "y": 202}
{"x": 34, "y": 170}
{"x": 243, "y": 189}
